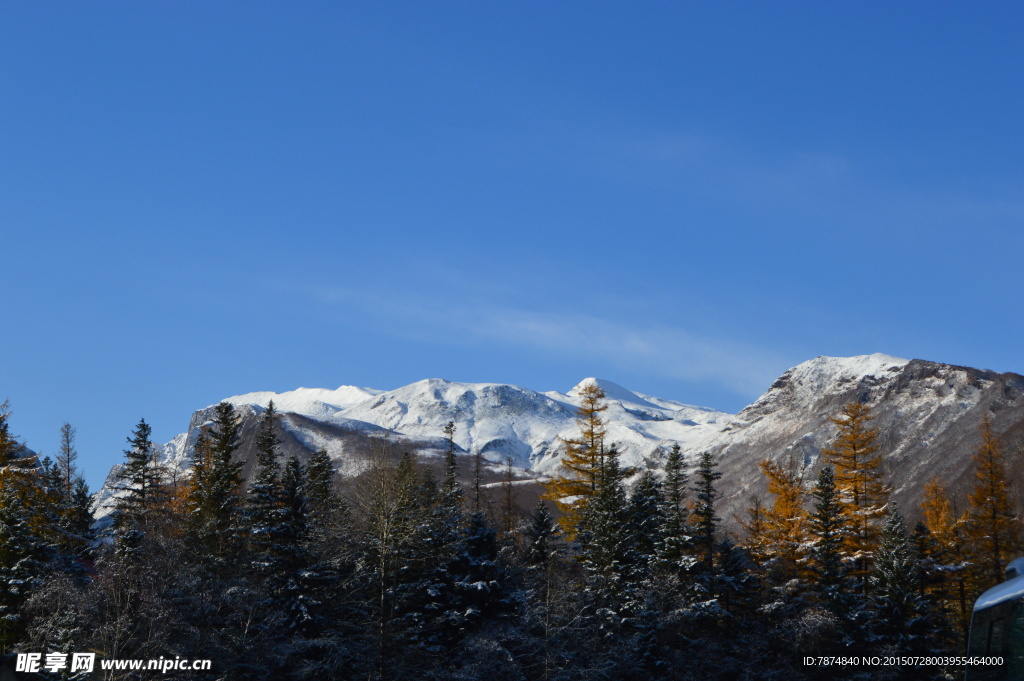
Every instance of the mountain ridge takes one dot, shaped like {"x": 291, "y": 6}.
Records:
{"x": 927, "y": 413}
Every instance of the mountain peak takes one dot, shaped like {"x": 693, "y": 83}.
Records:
{"x": 612, "y": 391}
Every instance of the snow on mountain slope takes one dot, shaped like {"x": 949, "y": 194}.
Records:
{"x": 498, "y": 421}
{"x": 927, "y": 415}
{"x": 313, "y": 402}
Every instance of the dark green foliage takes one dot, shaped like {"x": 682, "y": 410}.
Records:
{"x": 646, "y": 518}
{"x": 540, "y": 536}
{"x": 904, "y": 620}
{"x": 827, "y": 528}
{"x": 264, "y": 504}
{"x": 705, "y": 522}
{"x": 675, "y": 550}
{"x": 214, "y": 502}
{"x": 139, "y": 479}
{"x": 321, "y": 496}
{"x": 22, "y": 555}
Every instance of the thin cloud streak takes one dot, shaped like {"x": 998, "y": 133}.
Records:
{"x": 652, "y": 349}
{"x": 660, "y": 350}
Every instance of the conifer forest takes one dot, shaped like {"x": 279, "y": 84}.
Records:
{"x": 408, "y": 571}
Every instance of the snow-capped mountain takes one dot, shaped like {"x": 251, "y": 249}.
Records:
{"x": 928, "y": 416}
{"x": 498, "y": 421}
{"x": 927, "y": 413}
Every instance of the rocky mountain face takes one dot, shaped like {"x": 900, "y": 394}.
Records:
{"x": 927, "y": 415}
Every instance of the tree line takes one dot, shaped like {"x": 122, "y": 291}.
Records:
{"x": 404, "y": 572}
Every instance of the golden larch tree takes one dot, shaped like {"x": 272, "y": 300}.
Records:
{"x": 992, "y": 533}
{"x": 785, "y": 522}
{"x": 939, "y": 516}
{"x": 582, "y": 468}
{"x": 854, "y": 455}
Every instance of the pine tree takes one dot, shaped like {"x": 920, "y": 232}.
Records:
{"x": 645, "y": 512}
{"x": 325, "y": 504}
{"x": 951, "y": 553}
{"x": 705, "y": 522}
{"x": 264, "y": 504}
{"x": 827, "y": 528}
{"x": 857, "y": 465}
{"x": 736, "y": 583}
{"x": 583, "y": 463}
{"x": 478, "y": 582}
{"x": 291, "y": 580}
{"x": 540, "y": 537}
{"x": 609, "y": 554}
{"x": 140, "y": 479}
{"x": 22, "y": 555}
{"x": 451, "y": 489}
{"x": 992, "y": 528}
{"x": 214, "y": 499}
{"x": 675, "y": 550}
{"x": 903, "y": 622}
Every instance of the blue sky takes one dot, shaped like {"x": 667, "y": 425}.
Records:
{"x": 204, "y": 199}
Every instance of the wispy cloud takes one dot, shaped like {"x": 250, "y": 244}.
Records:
{"x": 652, "y": 349}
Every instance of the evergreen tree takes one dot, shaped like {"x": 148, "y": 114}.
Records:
{"x": 325, "y": 504}
{"x": 292, "y": 582}
{"x": 646, "y": 518}
{"x": 22, "y": 555}
{"x": 605, "y": 537}
{"x": 857, "y": 465}
{"x": 705, "y": 521}
{"x": 675, "y": 550}
{"x": 582, "y": 465}
{"x": 451, "y": 489}
{"x": 264, "y": 503}
{"x": 479, "y": 583}
{"x": 540, "y": 537}
{"x": 214, "y": 500}
{"x": 992, "y": 527}
{"x": 140, "y": 479}
{"x": 905, "y": 624}
{"x": 827, "y": 528}
{"x": 736, "y": 583}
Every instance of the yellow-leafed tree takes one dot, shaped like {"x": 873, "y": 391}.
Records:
{"x": 854, "y": 455}
{"x": 582, "y": 468}
{"x": 992, "y": 530}
{"x": 939, "y": 517}
{"x": 785, "y": 522}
